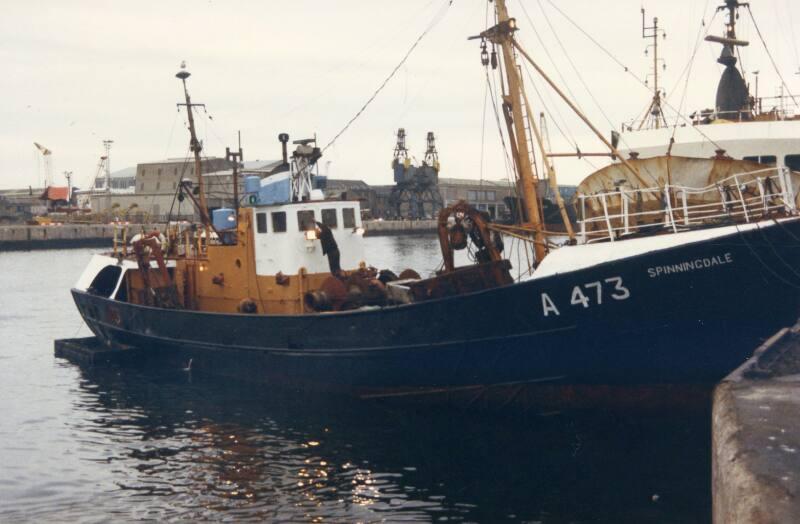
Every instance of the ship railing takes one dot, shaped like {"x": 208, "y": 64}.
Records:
{"x": 743, "y": 197}
{"x": 781, "y": 107}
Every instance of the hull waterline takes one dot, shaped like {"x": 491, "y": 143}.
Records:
{"x": 685, "y": 314}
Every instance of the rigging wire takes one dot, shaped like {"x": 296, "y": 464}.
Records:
{"x": 699, "y": 39}
{"x": 483, "y": 129}
{"x": 571, "y": 138}
{"x": 209, "y": 125}
{"x": 687, "y": 70}
{"x": 775, "y": 252}
{"x": 774, "y": 65}
{"x": 438, "y": 18}
{"x": 485, "y": 103}
{"x": 628, "y": 71}
{"x": 358, "y": 63}
{"x": 574, "y": 68}
{"x": 510, "y": 167}
{"x": 547, "y": 52}
{"x": 580, "y": 77}
{"x": 788, "y": 11}
{"x": 171, "y": 132}
{"x": 409, "y": 101}
{"x": 546, "y": 105}
{"x": 761, "y": 261}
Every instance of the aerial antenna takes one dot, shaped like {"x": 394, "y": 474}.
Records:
{"x": 654, "y": 117}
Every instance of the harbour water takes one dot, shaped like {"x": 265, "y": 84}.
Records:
{"x": 122, "y": 445}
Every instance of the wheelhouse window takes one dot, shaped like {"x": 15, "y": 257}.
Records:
{"x": 279, "y": 222}
{"x": 792, "y": 162}
{"x": 105, "y": 281}
{"x": 261, "y": 222}
{"x": 305, "y": 220}
{"x": 329, "y": 218}
{"x": 348, "y": 217}
{"x": 769, "y": 160}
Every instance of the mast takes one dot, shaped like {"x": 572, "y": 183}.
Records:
{"x": 503, "y": 35}
{"x": 234, "y": 158}
{"x": 196, "y": 147}
{"x": 614, "y": 151}
{"x": 654, "y": 112}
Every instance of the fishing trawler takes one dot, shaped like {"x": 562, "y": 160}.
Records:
{"x": 664, "y": 283}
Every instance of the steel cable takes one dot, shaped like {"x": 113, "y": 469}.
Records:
{"x": 627, "y": 70}
{"x": 774, "y": 65}
{"x": 438, "y": 18}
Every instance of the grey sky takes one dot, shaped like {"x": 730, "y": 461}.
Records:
{"x": 75, "y": 73}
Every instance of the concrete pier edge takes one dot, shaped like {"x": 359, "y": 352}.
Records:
{"x": 756, "y": 436}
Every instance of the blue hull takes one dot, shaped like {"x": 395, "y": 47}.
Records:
{"x": 685, "y": 314}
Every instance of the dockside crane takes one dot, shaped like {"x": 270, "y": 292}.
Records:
{"x": 46, "y": 161}
{"x": 99, "y": 174}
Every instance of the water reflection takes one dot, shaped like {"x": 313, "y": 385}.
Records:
{"x": 211, "y": 449}
{"x": 150, "y": 444}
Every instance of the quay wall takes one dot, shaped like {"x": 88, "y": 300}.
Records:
{"x": 755, "y": 432}
{"x": 25, "y": 238}
{"x": 374, "y": 228}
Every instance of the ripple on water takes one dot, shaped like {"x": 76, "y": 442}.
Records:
{"x": 111, "y": 445}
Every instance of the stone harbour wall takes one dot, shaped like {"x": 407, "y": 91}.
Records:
{"x": 23, "y": 238}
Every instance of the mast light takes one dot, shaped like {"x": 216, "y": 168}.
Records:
{"x": 183, "y": 74}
